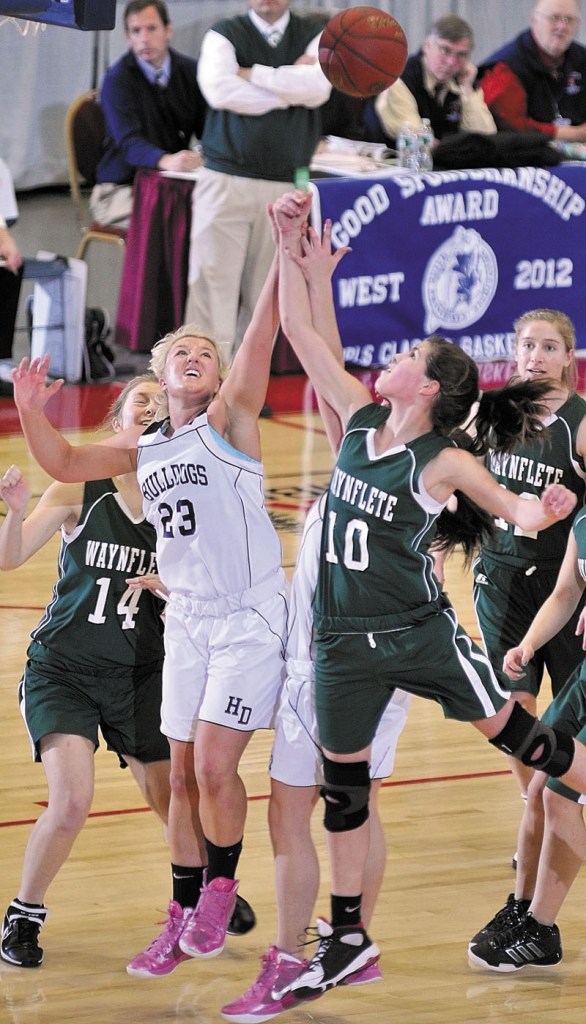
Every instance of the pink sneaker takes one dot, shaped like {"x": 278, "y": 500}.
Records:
{"x": 204, "y": 934}
{"x": 163, "y": 955}
{"x": 364, "y": 977}
{"x": 257, "y": 1004}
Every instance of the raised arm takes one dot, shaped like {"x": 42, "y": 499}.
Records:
{"x": 455, "y": 469}
{"x": 245, "y": 388}
{"x": 302, "y": 273}
{"x": 113, "y": 457}
{"x": 20, "y": 538}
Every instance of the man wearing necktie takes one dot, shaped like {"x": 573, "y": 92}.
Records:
{"x": 438, "y": 84}
{"x": 153, "y": 109}
{"x": 260, "y": 75}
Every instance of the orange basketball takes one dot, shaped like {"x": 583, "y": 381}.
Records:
{"x": 362, "y": 51}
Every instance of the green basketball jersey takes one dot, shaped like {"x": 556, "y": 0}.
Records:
{"x": 375, "y": 567}
{"x": 579, "y": 528}
{"x": 93, "y": 616}
{"x": 528, "y": 470}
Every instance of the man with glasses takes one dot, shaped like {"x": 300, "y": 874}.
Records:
{"x": 538, "y": 80}
{"x": 438, "y": 84}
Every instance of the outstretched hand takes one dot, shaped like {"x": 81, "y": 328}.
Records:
{"x": 318, "y": 262}
{"x": 31, "y": 389}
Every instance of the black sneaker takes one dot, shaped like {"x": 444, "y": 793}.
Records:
{"x": 20, "y": 933}
{"x": 341, "y": 951}
{"x": 243, "y": 919}
{"x": 511, "y": 914}
{"x": 527, "y": 944}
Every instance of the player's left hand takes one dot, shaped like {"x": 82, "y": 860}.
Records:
{"x": 318, "y": 261}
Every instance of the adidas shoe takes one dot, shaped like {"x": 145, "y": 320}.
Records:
{"x": 528, "y": 943}
{"x": 260, "y": 1002}
{"x": 511, "y": 914}
{"x": 163, "y": 955}
{"x": 205, "y": 932}
{"x": 243, "y": 918}
{"x": 341, "y": 952}
{"x": 19, "y": 944}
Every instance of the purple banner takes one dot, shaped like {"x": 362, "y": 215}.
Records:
{"x": 458, "y": 253}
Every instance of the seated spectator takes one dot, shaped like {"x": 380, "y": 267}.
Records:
{"x": 10, "y": 280}
{"x": 538, "y": 80}
{"x": 438, "y": 84}
{"x": 153, "y": 108}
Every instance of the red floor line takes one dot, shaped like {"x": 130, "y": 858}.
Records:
{"x": 265, "y": 796}
{"x": 448, "y": 778}
{"x": 23, "y": 607}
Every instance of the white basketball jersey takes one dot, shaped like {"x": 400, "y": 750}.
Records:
{"x": 206, "y": 502}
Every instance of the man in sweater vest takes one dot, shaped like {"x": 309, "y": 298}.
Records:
{"x": 538, "y": 81}
{"x": 153, "y": 108}
{"x": 260, "y": 75}
{"x": 438, "y": 84}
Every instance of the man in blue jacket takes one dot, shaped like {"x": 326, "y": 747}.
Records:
{"x": 153, "y": 108}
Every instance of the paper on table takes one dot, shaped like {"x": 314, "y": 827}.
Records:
{"x": 184, "y": 175}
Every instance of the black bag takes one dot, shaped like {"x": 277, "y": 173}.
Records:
{"x": 98, "y": 357}
{"x": 504, "y": 149}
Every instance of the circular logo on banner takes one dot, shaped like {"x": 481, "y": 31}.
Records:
{"x": 459, "y": 282}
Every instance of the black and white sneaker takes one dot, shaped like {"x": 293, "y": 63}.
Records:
{"x": 341, "y": 951}
{"x": 19, "y": 944}
{"x": 243, "y": 918}
{"x": 511, "y": 914}
{"x": 527, "y": 944}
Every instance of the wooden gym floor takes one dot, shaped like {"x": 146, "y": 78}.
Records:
{"x": 450, "y": 812}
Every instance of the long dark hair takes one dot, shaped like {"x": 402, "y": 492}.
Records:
{"x": 503, "y": 419}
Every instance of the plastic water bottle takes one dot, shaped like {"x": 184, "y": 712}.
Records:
{"x": 408, "y": 148}
{"x": 426, "y": 140}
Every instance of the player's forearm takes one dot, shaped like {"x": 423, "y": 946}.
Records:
{"x": 11, "y": 541}
{"x": 550, "y": 619}
{"x": 46, "y": 444}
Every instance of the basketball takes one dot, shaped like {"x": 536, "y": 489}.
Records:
{"x": 362, "y": 51}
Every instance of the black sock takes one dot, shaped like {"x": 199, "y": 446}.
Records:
{"x": 187, "y": 883}
{"x": 222, "y": 860}
{"x": 346, "y": 910}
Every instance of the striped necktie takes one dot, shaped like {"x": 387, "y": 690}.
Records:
{"x": 274, "y": 37}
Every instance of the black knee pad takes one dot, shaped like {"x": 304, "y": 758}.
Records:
{"x": 346, "y": 792}
{"x": 524, "y": 734}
